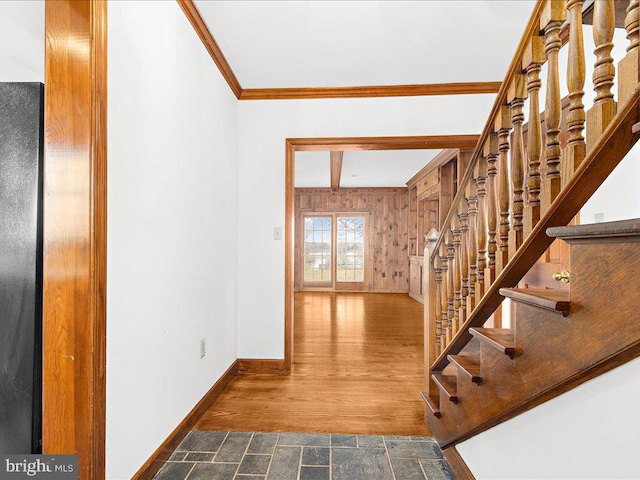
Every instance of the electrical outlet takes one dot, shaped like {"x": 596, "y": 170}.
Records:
{"x": 277, "y": 233}
{"x": 599, "y": 217}
{"x": 203, "y": 348}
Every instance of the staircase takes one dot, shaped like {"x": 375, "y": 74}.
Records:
{"x": 560, "y": 338}
{"x": 513, "y": 201}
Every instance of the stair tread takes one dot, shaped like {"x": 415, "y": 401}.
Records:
{"x": 433, "y": 403}
{"x": 448, "y": 384}
{"x": 499, "y": 338}
{"x": 468, "y": 364}
{"x": 555, "y": 300}
{"x": 622, "y": 228}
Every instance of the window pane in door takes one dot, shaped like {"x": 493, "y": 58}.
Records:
{"x": 350, "y": 249}
{"x": 317, "y": 249}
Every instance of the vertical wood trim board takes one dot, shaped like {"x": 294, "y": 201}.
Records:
{"x": 75, "y": 203}
{"x": 157, "y": 459}
{"x": 289, "y": 235}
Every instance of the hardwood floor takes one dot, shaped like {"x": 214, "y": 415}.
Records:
{"x": 357, "y": 369}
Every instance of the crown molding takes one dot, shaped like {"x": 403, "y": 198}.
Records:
{"x": 196, "y": 20}
{"x": 193, "y": 15}
{"x": 462, "y": 88}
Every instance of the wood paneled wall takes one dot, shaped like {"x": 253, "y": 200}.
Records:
{"x": 387, "y": 257}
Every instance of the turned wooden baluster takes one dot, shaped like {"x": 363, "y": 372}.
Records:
{"x": 629, "y": 66}
{"x": 464, "y": 260}
{"x": 451, "y": 273}
{"x": 604, "y": 107}
{"x": 532, "y": 61}
{"x": 481, "y": 227}
{"x": 503, "y": 127}
{"x": 457, "y": 274}
{"x": 438, "y": 305}
{"x": 431, "y": 302}
{"x": 472, "y": 199}
{"x": 576, "y": 148}
{"x": 490, "y": 150}
{"x": 444, "y": 298}
{"x": 553, "y": 15}
{"x": 516, "y": 96}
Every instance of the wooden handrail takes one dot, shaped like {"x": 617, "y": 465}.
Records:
{"x": 617, "y": 139}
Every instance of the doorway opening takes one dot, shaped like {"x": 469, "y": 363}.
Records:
{"x": 332, "y": 260}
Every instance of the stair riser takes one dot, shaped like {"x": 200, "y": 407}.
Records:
{"x": 605, "y": 281}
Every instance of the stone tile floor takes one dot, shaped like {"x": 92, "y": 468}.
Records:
{"x": 213, "y": 455}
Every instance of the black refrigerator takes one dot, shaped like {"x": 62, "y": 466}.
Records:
{"x": 21, "y": 187}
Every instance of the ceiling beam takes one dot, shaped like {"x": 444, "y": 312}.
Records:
{"x": 463, "y": 88}
{"x": 192, "y": 13}
{"x": 336, "y": 168}
{"x": 430, "y": 142}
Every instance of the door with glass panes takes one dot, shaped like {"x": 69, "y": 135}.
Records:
{"x": 335, "y": 248}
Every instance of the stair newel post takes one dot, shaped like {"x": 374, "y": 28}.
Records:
{"x": 532, "y": 62}
{"x": 516, "y": 95}
{"x": 456, "y": 234}
{"x": 472, "y": 199}
{"x": 444, "y": 298}
{"x": 629, "y": 66}
{"x": 481, "y": 227}
{"x": 604, "y": 107}
{"x": 464, "y": 260}
{"x": 576, "y": 147}
{"x": 503, "y": 128}
{"x": 490, "y": 150}
{"x": 551, "y": 19}
{"x": 431, "y": 299}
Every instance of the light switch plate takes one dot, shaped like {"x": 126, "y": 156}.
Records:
{"x": 277, "y": 233}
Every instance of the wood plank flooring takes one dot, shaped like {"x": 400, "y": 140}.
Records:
{"x": 358, "y": 368}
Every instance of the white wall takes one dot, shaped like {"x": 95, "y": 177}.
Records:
{"x": 590, "y": 432}
{"x": 264, "y": 126}
{"x": 172, "y": 228}
{"x": 618, "y": 198}
{"x": 21, "y": 41}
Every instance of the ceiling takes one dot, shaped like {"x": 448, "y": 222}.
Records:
{"x": 364, "y": 168}
{"x": 288, "y": 44}
{"x": 307, "y": 44}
